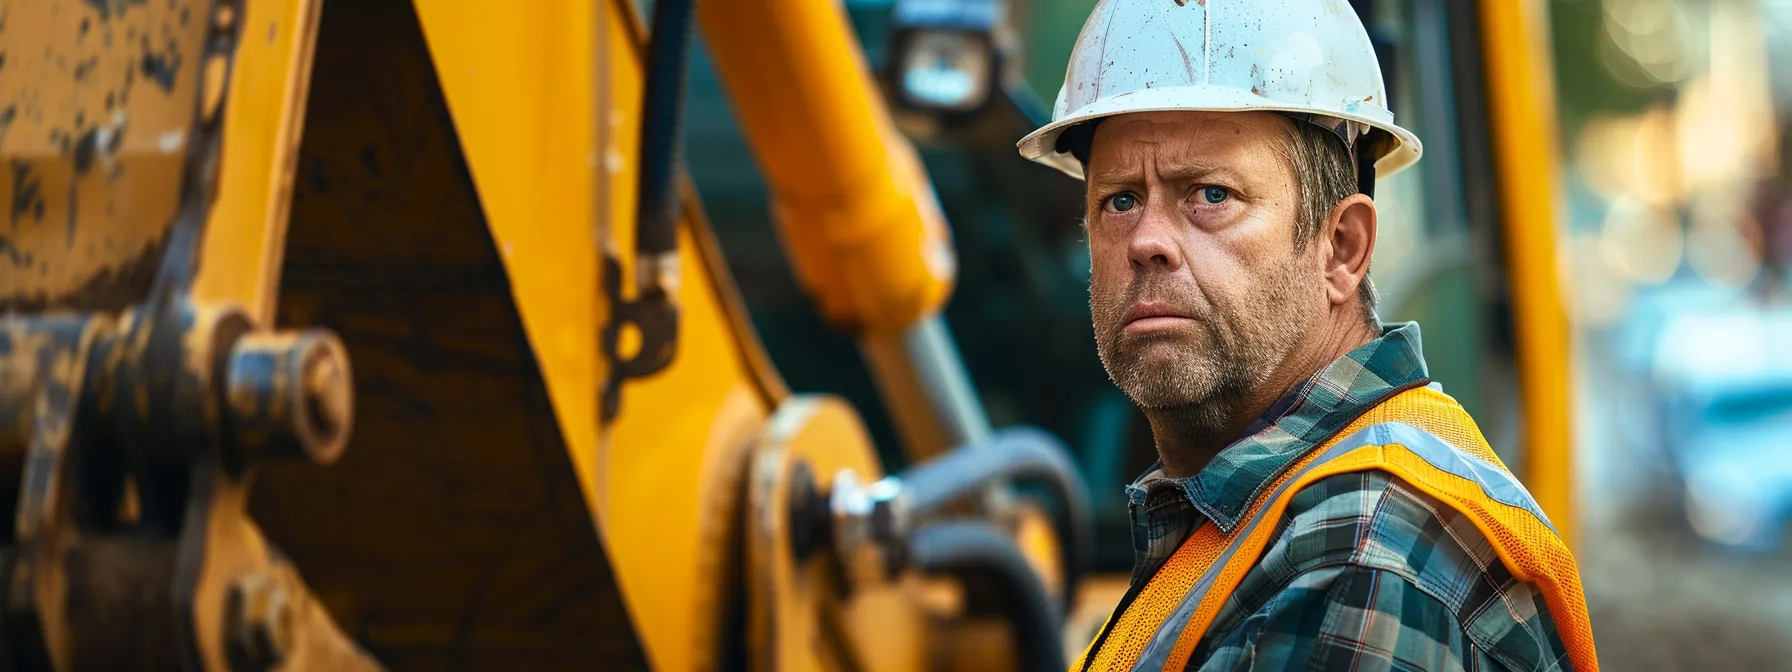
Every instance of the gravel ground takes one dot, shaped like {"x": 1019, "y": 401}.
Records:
{"x": 1661, "y": 599}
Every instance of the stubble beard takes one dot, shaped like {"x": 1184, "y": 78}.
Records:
{"x": 1208, "y": 381}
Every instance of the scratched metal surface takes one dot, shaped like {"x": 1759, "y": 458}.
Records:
{"x": 96, "y": 103}
{"x": 453, "y": 534}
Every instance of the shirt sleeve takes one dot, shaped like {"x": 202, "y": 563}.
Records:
{"x": 1350, "y": 617}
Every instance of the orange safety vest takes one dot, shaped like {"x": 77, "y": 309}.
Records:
{"x": 1421, "y": 436}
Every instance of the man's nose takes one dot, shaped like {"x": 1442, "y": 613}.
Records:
{"x": 1153, "y": 245}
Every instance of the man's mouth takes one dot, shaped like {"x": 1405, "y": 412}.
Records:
{"x": 1149, "y": 317}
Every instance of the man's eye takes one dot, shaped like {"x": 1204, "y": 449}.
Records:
{"x": 1215, "y": 194}
{"x": 1123, "y": 202}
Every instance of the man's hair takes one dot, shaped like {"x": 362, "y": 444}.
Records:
{"x": 1324, "y": 174}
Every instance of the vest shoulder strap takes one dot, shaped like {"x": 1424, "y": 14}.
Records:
{"x": 1421, "y": 436}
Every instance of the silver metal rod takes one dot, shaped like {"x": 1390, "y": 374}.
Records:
{"x": 924, "y": 384}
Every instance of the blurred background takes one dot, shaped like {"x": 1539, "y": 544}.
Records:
{"x": 1677, "y": 237}
{"x": 1674, "y": 239}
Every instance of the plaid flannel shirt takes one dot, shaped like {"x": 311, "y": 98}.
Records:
{"x": 1364, "y": 572}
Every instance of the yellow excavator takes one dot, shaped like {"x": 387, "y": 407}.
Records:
{"x": 362, "y": 334}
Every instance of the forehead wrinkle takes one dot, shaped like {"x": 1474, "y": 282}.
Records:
{"x": 1191, "y": 167}
{"x": 1181, "y": 147}
{"x": 1177, "y": 143}
{"x": 1183, "y": 129}
{"x": 1134, "y": 159}
{"x": 1173, "y": 167}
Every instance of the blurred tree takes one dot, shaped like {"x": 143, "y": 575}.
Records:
{"x": 1584, "y": 83}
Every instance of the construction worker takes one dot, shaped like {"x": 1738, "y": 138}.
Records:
{"x": 1318, "y": 503}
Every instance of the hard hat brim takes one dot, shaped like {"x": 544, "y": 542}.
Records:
{"x": 1042, "y": 145}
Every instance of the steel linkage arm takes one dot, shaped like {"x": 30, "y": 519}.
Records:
{"x": 133, "y": 441}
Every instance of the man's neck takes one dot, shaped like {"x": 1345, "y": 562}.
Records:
{"x": 1186, "y": 445}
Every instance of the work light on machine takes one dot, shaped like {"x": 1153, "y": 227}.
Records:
{"x": 945, "y": 59}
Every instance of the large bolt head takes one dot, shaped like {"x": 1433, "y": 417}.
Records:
{"x": 290, "y": 395}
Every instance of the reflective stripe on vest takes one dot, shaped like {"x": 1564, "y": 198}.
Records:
{"x": 1421, "y": 436}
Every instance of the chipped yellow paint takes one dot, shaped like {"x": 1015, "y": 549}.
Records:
{"x": 95, "y": 110}
{"x": 264, "y": 110}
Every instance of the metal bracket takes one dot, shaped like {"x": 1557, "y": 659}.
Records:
{"x": 653, "y": 316}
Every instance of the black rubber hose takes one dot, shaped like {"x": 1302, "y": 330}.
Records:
{"x": 662, "y": 127}
{"x": 981, "y": 550}
{"x": 1016, "y": 453}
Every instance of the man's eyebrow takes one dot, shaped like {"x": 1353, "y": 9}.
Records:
{"x": 1132, "y": 175}
{"x": 1116, "y": 175}
{"x": 1194, "y": 170}
{"x": 1122, "y": 174}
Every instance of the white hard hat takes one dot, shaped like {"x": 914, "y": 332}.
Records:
{"x": 1309, "y": 58}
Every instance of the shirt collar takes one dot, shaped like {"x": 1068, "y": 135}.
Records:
{"x": 1305, "y": 417}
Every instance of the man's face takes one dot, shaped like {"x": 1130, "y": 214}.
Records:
{"x": 1196, "y": 287}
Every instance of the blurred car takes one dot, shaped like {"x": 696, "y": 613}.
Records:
{"x": 1723, "y": 382}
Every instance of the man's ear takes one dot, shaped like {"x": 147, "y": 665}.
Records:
{"x": 1350, "y": 228}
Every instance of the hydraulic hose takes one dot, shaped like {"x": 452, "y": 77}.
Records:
{"x": 1018, "y": 453}
{"x": 662, "y": 128}
{"x": 979, "y": 549}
